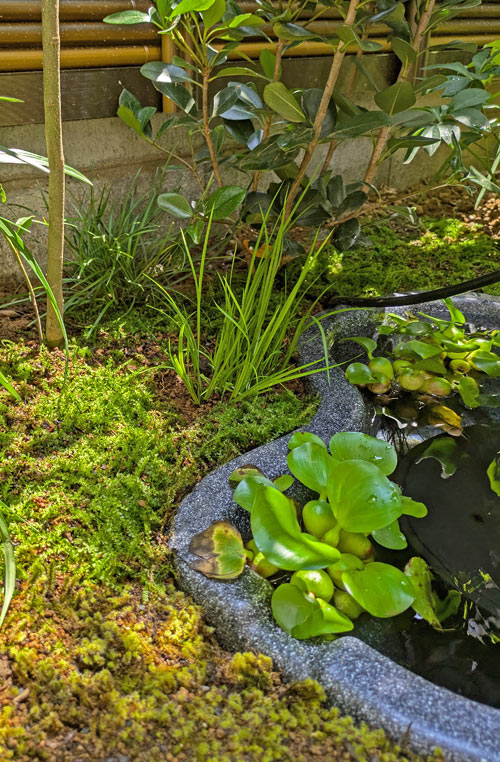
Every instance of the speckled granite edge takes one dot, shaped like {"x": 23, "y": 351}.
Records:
{"x": 356, "y": 677}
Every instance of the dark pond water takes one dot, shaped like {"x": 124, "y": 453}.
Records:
{"x": 460, "y": 540}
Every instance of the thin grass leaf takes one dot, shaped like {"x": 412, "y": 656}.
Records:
{"x": 10, "y": 565}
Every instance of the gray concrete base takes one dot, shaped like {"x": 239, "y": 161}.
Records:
{"x": 355, "y": 676}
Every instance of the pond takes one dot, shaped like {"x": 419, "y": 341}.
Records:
{"x": 366, "y": 673}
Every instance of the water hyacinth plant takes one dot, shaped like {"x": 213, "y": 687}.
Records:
{"x": 328, "y": 545}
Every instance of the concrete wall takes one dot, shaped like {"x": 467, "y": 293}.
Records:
{"x": 109, "y": 153}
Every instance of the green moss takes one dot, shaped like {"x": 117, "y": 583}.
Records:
{"x": 442, "y": 253}
{"x": 101, "y": 657}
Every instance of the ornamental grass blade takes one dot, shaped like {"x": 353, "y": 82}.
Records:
{"x": 10, "y": 566}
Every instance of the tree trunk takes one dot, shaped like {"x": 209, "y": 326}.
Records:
{"x": 53, "y": 137}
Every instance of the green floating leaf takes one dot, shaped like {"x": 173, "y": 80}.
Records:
{"x": 176, "y": 205}
{"x": 283, "y": 482}
{"x": 277, "y": 534}
{"x": 368, "y": 344}
{"x": 311, "y": 464}
{"x": 246, "y": 491}
{"x": 304, "y": 616}
{"x": 353, "y": 445}
{"x": 381, "y": 589}
{"x": 420, "y": 574}
{"x": 242, "y": 472}
{"x": 422, "y": 348}
{"x": 359, "y": 373}
{"x": 469, "y": 391}
{"x": 221, "y": 551}
{"x": 224, "y": 201}
{"x": 488, "y": 362}
{"x": 280, "y": 100}
{"x": 362, "y": 498}
{"x": 390, "y": 536}
{"x": 301, "y": 437}
{"x": 412, "y": 507}
{"x": 445, "y": 451}
{"x": 493, "y": 473}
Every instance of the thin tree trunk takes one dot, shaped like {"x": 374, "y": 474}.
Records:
{"x": 383, "y": 135}
{"x": 323, "y": 106}
{"x": 53, "y": 137}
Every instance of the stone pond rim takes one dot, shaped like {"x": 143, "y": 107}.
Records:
{"x": 356, "y": 677}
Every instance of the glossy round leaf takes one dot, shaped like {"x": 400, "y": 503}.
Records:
{"x": 277, "y": 534}
{"x": 224, "y": 201}
{"x": 311, "y": 464}
{"x": 362, "y": 498}
{"x": 281, "y": 100}
{"x": 359, "y": 373}
{"x": 381, "y": 589}
{"x": 304, "y": 616}
{"x": 246, "y": 491}
{"x": 353, "y": 445}
{"x": 301, "y": 437}
{"x": 176, "y": 205}
{"x": 390, "y": 536}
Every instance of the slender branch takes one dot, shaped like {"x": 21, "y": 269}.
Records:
{"x": 328, "y": 158}
{"x": 53, "y": 137}
{"x": 383, "y": 135}
{"x": 323, "y": 107}
{"x": 30, "y": 289}
{"x": 269, "y": 121}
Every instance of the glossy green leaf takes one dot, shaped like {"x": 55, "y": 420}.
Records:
{"x": 390, "y": 536}
{"x": 267, "y": 60}
{"x": 242, "y": 472}
{"x": 304, "y": 616}
{"x": 224, "y": 201}
{"x": 469, "y": 391}
{"x": 346, "y": 234}
{"x": 360, "y": 124}
{"x": 221, "y": 551}
{"x": 422, "y": 349}
{"x": 192, "y": 6}
{"x": 362, "y": 498}
{"x": 368, "y": 344}
{"x": 404, "y": 51}
{"x": 381, "y": 589}
{"x": 283, "y": 482}
{"x": 127, "y": 17}
{"x": 301, "y": 437}
{"x": 359, "y": 373}
{"x": 493, "y": 473}
{"x": 246, "y": 491}
{"x": 395, "y": 98}
{"x": 466, "y": 98}
{"x": 413, "y": 507}
{"x": 176, "y": 205}
{"x": 236, "y": 71}
{"x": 130, "y": 119}
{"x": 277, "y": 534}
{"x": 418, "y": 571}
{"x": 488, "y": 362}
{"x": 353, "y": 445}
{"x": 311, "y": 464}
{"x": 311, "y": 100}
{"x": 280, "y": 100}
{"x": 292, "y": 32}
{"x": 214, "y": 13}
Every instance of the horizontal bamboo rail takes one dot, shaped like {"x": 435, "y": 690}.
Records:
{"x": 80, "y": 58}
{"x": 81, "y": 33}
{"x": 71, "y": 10}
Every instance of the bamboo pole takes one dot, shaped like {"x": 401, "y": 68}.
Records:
{"x": 55, "y": 152}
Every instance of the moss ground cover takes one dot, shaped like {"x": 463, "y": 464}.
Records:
{"x": 101, "y": 657}
{"x": 394, "y": 258}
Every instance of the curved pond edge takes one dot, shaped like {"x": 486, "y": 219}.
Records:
{"x": 356, "y": 678}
